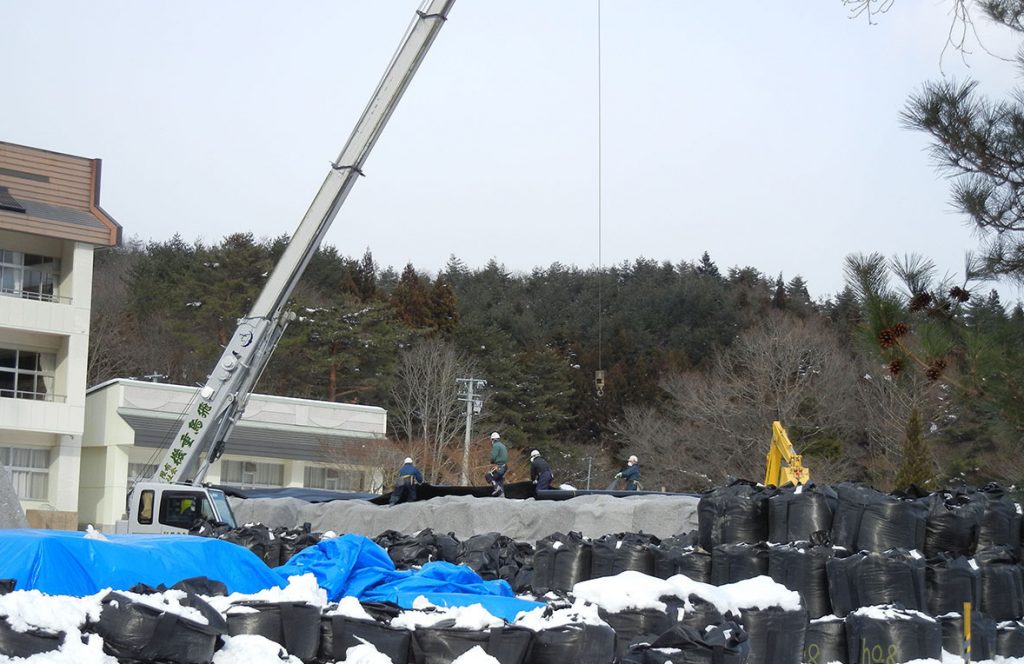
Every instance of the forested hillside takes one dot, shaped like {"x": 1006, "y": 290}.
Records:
{"x": 900, "y": 379}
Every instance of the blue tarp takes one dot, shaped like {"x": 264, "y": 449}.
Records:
{"x": 62, "y": 562}
{"x": 353, "y": 565}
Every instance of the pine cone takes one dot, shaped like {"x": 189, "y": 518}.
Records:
{"x": 895, "y": 367}
{"x": 900, "y": 329}
{"x": 920, "y": 301}
{"x": 934, "y": 371}
{"x": 886, "y": 338}
{"x": 959, "y": 294}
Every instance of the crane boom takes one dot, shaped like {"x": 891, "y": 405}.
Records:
{"x": 220, "y": 403}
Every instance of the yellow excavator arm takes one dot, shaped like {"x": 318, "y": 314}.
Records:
{"x": 784, "y": 465}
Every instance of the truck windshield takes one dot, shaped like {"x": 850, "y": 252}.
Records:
{"x": 220, "y": 502}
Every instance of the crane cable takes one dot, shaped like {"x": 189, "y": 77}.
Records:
{"x": 599, "y": 374}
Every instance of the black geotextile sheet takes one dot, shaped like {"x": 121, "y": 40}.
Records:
{"x": 900, "y": 638}
{"x": 721, "y": 644}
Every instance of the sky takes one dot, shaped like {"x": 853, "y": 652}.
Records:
{"x": 767, "y": 136}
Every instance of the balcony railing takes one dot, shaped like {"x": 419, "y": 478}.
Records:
{"x": 34, "y": 295}
{"x": 32, "y": 396}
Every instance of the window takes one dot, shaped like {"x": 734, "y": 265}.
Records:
{"x": 146, "y": 507}
{"x": 30, "y": 276}
{"x": 26, "y": 374}
{"x": 250, "y": 474}
{"x": 30, "y": 471}
{"x": 181, "y": 509}
{"x": 333, "y": 479}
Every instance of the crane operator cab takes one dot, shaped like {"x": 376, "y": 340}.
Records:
{"x": 158, "y": 508}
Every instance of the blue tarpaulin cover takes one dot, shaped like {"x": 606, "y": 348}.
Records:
{"x": 353, "y": 565}
{"x": 62, "y": 562}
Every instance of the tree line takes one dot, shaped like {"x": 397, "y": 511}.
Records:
{"x": 697, "y": 361}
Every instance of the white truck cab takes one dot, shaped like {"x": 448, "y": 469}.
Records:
{"x": 157, "y": 508}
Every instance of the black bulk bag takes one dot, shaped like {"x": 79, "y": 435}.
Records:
{"x": 1002, "y": 590}
{"x": 560, "y": 562}
{"x": 721, "y": 644}
{"x": 258, "y": 539}
{"x": 338, "y": 633}
{"x": 796, "y": 512}
{"x": 25, "y": 644}
{"x": 635, "y": 626}
{"x": 405, "y": 551}
{"x": 775, "y": 635}
{"x": 294, "y": 625}
{"x": 574, "y": 643}
{"x": 801, "y": 566}
{"x": 735, "y": 562}
{"x": 292, "y": 541}
{"x": 699, "y": 613}
{"x": 481, "y": 553}
{"x": 871, "y": 579}
{"x": 1010, "y": 639}
{"x": 825, "y": 641}
{"x": 869, "y": 520}
{"x": 733, "y": 514}
{"x": 1000, "y": 523}
{"x": 613, "y": 554}
{"x": 983, "y": 635}
{"x": 891, "y": 635}
{"x": 7, "y": 585}
{"x": 442, "y": 643}
{"x": 949, "y": 582}
{"x": 672, "y": 557}
{"x": 953, "y": 523}
{"x": 132, "y": 630}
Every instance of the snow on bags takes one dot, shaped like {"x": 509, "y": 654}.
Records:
{"x": 794, "y": 513}
{"x": 560, "y": 562}
{"x": 133, "y": 630}
{"x": 888, "y": 634}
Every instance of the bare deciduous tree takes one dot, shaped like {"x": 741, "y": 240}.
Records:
{"x": 427, "y": 406}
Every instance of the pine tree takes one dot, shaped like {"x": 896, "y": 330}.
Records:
{"x": 918, "y": 465}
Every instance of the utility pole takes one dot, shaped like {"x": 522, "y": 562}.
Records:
{"x": 468, "y": 388}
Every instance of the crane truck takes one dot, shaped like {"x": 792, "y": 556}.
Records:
{"x": 175, "y": 497}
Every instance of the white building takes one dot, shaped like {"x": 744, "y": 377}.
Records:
{"x": 279, "y": 442}
{"x": 50, "y": 223}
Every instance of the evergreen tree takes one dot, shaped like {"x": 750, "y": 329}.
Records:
{"x": 917, "y": 467}
{"x": 411, "y": 299}
{"x": 707, "y": 267}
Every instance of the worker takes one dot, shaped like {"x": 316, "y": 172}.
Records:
{"x": 499, "y": 465}
{"x": 631, "y": 473}
{"x": 405, "y": 489}
{"x": 540, "y": 471}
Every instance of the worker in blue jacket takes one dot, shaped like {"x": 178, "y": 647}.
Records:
{"x": 631, "y": 473}
{"x": 405, "y": 489}
{"x": 540, "y": 471}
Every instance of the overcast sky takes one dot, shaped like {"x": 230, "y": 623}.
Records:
{"x": 768, "y": 136}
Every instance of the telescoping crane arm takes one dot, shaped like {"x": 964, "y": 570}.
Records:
{"x": 221, "y": 402}
{"x": 784, "y": 465}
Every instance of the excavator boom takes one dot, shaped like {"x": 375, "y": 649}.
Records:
{"x": 784, "y": 465}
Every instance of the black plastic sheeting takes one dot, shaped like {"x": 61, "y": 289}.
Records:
{"x": 733, "y": 514}
{"x": 872, "y": 579}
{"x": 274, "y": 547}
{"x": 294, "y": 625}
{"x": 954, "y": 522}
{"x": 735, "y": 562}
{"x": 574, "y": 644}
{"x": 794, "y": 513}
{"x": 949, "y": 582}
{"x": 869, "y": 520}
{"x": 613, "y": 554}
{"x": 721, "y": 644}
{"x": 983, "y": 635}
{"x": 26, "y": 644}
{"x": 825, "y": 641}
{"x": 1002, "y": 590}
{"x": 561, "y": 561}
{"x": 801, "y": 566}
{"x": 1010, "y": 639}
{"x": 495, "y": 556}
{"x": 776, "y": 635}
{"x": 441, "y": 644}
{"x": 416, "y": 550}
{"x": 339, "y": 633}
{"x": 636, "y": 626}
{"x": 133, "y": 631}
{"x": 1001, "y": 523}
{"x": 871, "y": 640}
{"x": 700, "y": 614}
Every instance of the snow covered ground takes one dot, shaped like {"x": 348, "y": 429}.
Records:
{"x": 30, "y": 609}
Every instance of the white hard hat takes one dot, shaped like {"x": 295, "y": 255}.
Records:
{"x": 408, "y": 459}
{"x": 534, "y": 453}
{"x": 495, "y": 436}
{"x": 632, "y": 458}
